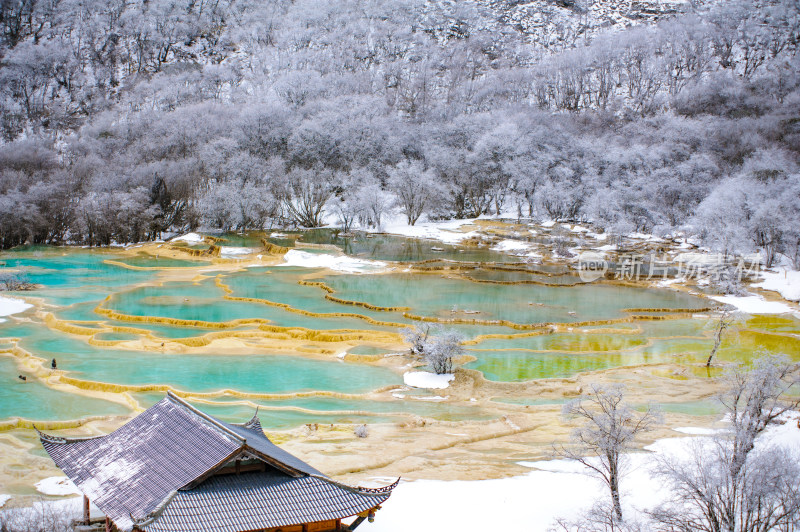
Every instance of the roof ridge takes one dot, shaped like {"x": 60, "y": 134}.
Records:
{"x": 49, "y": 438}
{"x": 205, "y": 417}
{"x": 155, "y": 512}
{"x": 359, "y": 489}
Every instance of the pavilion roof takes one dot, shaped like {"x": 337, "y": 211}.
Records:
{"x": 158, "y": 467}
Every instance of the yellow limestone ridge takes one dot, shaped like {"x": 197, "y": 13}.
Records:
{"x": 330, "y": 297}
{"x": 277, "y": 332}
{"x": 22, "y": 423}
{"x": 289, "y": 308}
{"x": 273, "y": 249}
{"x": 67, "y": 327}
{"x": 149, "y": 268}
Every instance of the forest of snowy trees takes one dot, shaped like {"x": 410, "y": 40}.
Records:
{"x": 121, "y": 119}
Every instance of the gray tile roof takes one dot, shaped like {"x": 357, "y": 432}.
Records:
{"x": 252, "y": 501}
{"x": 258, "y": 441}
{"x": 134, "y": 473}
{"x": 131, "y": 470}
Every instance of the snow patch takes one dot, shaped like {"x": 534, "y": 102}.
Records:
{"x": 192, "y": 238}
{"x": 786, "y": 283}
{"x": 446, "y": 232}
{"x": 645, "y": 236}
{"x": 12, "y": 305}
{"x": 696, "y": 431}
{"x": 607, "y": 247}
{"x": 511, "y": 245}
{"x": 423, "y": 379}
{"x": 58, "y": 486}
{"x": 553, "y": 489}
{"x": 753, "y": 304}
{"x": 4, "y": 499}
{"x": 230, "y": 251}
{"x": 341, "y": 263}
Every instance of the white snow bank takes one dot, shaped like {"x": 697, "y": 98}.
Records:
{"x": 446, "y": 232}
{"x": 556, "y": 488}
{"x": 786, "y": 283}
{"x": 644, "y": 236}
{"x": 192, "y": 238}
{"x": 607, "y": 247}
{"x": 700, "y": 259}
{"x": 57, "y": 486}
{"x": 341, "y": 263}
{"x": 511, "y": 245}
{"x": 12, "y": 305}
{"x": 696, "y": 431}
{"x": 4, "y": 499}
{"x": 423, "y": 379}
{"x": 230, "y": 251}
{"x": 753, "y": 304}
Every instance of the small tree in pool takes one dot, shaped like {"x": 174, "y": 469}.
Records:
{"x": 417, "y": 337}
{"x": 609, "y": 430}
{"x": 442, "y": 349}
{"x": 436, "y": 346}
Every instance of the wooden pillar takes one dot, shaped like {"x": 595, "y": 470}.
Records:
{"x": 108, "y": 524}
{"x": 338, "y": 524}
{"x": 86, "y": 517}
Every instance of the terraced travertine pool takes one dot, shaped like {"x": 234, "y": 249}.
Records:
{"x": 314, "y": 346}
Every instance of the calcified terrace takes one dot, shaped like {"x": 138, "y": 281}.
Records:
{"x": 319, "y": 351}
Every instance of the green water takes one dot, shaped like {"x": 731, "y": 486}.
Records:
{"x": 693, "y": 408}
{"x": 204, "y": 301}
{"x": 521, "y": 277}
{"x": 382, "y": 247}
{"x": 529, "y": 401}
{"x": 434, "y": 295}
{"x": 274, "y": 413}
{"x": 202, "y": 373}
{"x": 400, "y": 249}
{"x": 149, "y": 261}
{"x": 516, "y": 366}
{"x": 33, "y": 400}
{"x": 73, "y": 282}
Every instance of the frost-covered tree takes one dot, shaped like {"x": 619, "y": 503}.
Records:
{"x": 723, "y": 218}
{"x": 441, "y": 349}
{"x": 438, "y": 347}
{"x": 416, "y": 189}
{"x": 305, "y": 193}
{"x": 609, "y": 430}
{"x": 735, "y": 482}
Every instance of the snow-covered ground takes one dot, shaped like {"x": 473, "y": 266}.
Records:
{"x": 423, "y": 379}
{"x": 342, "y": 263}
{"x": 553, "y": 489}
{"x": 512, "y": 246}
{"x": 784, "y": 281}
{"x": 753, "y": 304}
{"x": 4, "y": 499}
{"x": 192, "y": 238}
{"x": 230, "y": 251}
{"x": 12, "y": 305}
{"x": 446, "y": 232}
{"x": 57, "y": 486}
